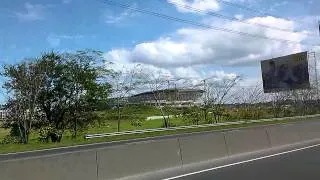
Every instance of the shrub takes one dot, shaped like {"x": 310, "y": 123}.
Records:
{"x": 56, "y": 135}
{"x": 13, "y": 137}
{"x": 44, "y": 134}
{"x": 50, "y": 133}
{"x": 136, "y": 123}
{"x": 11, "y": 140}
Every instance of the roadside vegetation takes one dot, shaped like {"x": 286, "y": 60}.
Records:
{"x": 56, "y": 99}
{"x": 34, "y": 144}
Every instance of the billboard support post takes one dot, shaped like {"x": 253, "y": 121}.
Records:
{"x": 316, "y": 73}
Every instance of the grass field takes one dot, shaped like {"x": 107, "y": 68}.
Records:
{"x": 3, "y": 132}
{"x": 111, "y": 126}
{"x": 34, "y": 144}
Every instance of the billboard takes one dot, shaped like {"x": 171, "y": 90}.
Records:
{"x": 285, "y": 73}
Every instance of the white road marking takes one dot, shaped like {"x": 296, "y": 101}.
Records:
{"x": 241, "y": 162}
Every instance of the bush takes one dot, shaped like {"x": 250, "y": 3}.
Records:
{"x": 11, "y": 140}
{"x": 44, "y": 134}
{"x": 136, "y": 123}
{"x": 56, "y": 135}
{"x": 195, "y": 120}
{"x": 13, "y": 137}
{"x": 50, "y": 133}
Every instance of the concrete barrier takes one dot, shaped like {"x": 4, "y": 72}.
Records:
{"x": 149, "y": 156}
{"x": 78, "y": 166}
{"x": 284, "y": 134}
{"x": 309, "y": 131}
{"x": 136, "y": 158}
{"x": 199, "y": 148}
{"x": 247, "y": 140}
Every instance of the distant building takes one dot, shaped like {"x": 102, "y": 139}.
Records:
{"x": 3, "y": 114}
{"x": 176, "y": 97}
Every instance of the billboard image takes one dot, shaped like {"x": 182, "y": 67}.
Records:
{"x": 285, "y": 73}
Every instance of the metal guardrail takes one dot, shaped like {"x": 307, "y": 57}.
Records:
{"x": 91, "y": 136}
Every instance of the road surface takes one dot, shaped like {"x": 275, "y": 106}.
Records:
{"x": 297, "y": 165}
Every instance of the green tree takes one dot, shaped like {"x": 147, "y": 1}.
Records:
{"x": 72, "y": 91}
{"x": 216, "y": 93}
{"x": 192, "y": 115}
{"x": 124, "y": 83}
{"x": 59, "y": 91}
{"x": 23, "y": 83}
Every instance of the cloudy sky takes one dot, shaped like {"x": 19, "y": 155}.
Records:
{"x": 204, "y": 45}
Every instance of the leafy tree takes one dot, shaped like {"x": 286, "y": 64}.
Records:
{"x": 23, "y": 83}
{"x": 192, "y": 115}
{"x": 72, "y": 91}
{"x": 155, "y": 82}
{"x": 249, "y": 98}
{"x": 215, "y": 95}
{"x": 58, "y": 91}
{"x": 124, "y": 83}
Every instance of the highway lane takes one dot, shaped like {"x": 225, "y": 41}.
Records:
{"x": 304, "y": 164}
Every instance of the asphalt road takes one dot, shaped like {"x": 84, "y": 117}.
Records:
{"x": 298, "y": 165}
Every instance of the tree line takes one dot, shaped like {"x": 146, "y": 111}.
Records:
{"x": 59, "y": 92}
{"x": 54, "y": 93}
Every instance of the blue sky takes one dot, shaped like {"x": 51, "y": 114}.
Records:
{"x": 31, "y": 27}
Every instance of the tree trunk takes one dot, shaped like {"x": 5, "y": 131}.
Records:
{"x": 166, "y": 125}
{"x": 119, "y": 117}
{"x": 205, "y": 114}
{"x": 25, "y": 130}
{"x": 75, "y": 130}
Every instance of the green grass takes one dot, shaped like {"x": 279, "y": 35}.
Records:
{"x": 34, "y": 144}
{"x": 125, "y": 125}
{"x": 3, "y": 132}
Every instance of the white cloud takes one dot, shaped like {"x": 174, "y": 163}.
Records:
{"x": 277, "y": 5}
{"x": 77, "y": 36}
{"x": 32, "y": 12}
{"x": 203, "y": 5}
{"x": 239, "y": 16}
{"x": 185, "y": 76}
{"x": 55, "y": 40}
{"x": 111, "y": 18}
{"x": 220, "y": 75}
{"x": 194, "y": 46}
{"x": 182, "y": 77}
{"x": 186, "y": 72}
{"x": 251, "y": 82}
{"x": 66, "y": 1}
{"x": 195, "y": 54}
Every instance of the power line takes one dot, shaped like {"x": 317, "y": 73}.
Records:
{"x": 172, "y": 18}
{"x": 221, "y": 16}
{"x": 258, "y": 12}
{"x": 240, "y": 6}
{"x": 250, "y": 9}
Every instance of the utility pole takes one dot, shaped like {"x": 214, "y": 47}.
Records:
{"x": 204, "y": 89}
{"x": 175, "y": 93}
{"x": 316, "y": 72}
{"x": 313, "y": 54}
{"x": 205, "y": 99}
